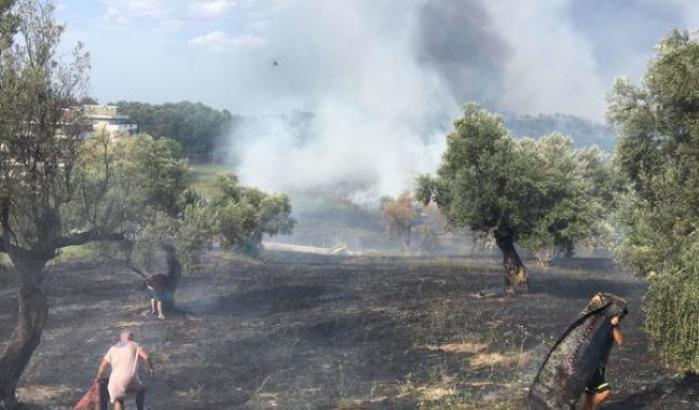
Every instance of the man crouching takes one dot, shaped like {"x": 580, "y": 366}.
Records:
{"x": 157, "y": 286}
{"x": 123, "y": 358}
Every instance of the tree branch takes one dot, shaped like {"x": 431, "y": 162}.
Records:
{"x": 82, "y": 238}
{"x": 130, "y": 265}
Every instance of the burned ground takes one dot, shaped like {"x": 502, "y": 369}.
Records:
{"x": 314, "y": 332}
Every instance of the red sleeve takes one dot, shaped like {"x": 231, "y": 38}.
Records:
{"x": 157, "y": 281}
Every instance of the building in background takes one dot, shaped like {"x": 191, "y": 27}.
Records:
{"x": 106, "y": 118}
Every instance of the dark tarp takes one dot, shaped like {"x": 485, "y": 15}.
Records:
{"x": 576, "y": 355}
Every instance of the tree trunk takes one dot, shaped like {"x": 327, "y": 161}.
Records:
{"x": 515, "y": 272}
{"x": 404, "y": 238}
{"x": 31, "y": 318}
{"x": 174, "y": 272}
{"x": 569, "y": 250}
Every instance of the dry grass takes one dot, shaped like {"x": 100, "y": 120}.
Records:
{"x": 431, "y": 392}
{"x": 128, "y": 324}
{"x": 42, "y": 393}
{"x": 465, "y": 347}
{"x": 498, "y": 359}
{"x": 434, "y": 393}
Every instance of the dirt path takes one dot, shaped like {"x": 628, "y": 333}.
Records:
{"x": 321, "y": 331}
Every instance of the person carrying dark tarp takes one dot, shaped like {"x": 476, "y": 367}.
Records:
{"x": 598, "y": 389}
{"x": 576, "y": 363}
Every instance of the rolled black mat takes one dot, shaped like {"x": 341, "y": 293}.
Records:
{"x": 576, "y": 355}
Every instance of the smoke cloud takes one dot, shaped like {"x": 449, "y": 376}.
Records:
{"x": 382, "y": 81}
{"x": 378, "y": 111}
{"x": 382, "y": 86}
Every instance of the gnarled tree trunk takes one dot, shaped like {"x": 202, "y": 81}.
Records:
{"x": 515, "y": 273}
{"x": 174, "y": 272}
{"x": 31, "y": 318}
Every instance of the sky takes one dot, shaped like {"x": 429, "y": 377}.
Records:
{"x": 383, "y": 78}
{"x": 549, "y": 55}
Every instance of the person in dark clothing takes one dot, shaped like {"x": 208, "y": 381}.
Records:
{"x": 156, "y": 286}
{"x": 598, "y": 390}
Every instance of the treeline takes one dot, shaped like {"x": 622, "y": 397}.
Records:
{"x": 585, "y": 133}
{"x": 202, "y": 131}
{"x": 198, "y": 128}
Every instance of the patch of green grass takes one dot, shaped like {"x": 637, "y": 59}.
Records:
{"x": 75, "y": 254}
{"x": 68, "y": 254}
{"x": 202, "y": 177}
{"x": 326, "y": 202}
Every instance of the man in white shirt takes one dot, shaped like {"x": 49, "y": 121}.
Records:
{"x": 123, "y": 358}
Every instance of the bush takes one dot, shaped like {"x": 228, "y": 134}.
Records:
{"x": 672, "y": 318}
{"x": 657, "y": 153}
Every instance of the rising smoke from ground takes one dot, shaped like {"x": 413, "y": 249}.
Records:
{"x": 378, "y": 113}
{"x": 381, "y": 82}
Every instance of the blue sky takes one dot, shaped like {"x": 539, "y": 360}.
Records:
{"x": 554, "y": 55}
{"x": 157, "y": 50}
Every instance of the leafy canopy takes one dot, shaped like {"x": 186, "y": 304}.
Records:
{"x": 543, "y": 189}
{"x": 658, "y": 153}
{"x": 39, "y": 141}
{"x": 150, "y": 190}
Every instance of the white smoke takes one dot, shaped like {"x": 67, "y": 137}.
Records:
{"x": 383, "y": 81}
{"x": 552, "y": 67}
{"x": 377, "y": 113}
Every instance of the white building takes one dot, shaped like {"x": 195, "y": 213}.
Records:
{"x": 106, "y": 118}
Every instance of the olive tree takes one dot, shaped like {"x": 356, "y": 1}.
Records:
{"x": 658, "y": 153}
{"x": 531, "y": 192}
{"x": 243, "y": 215}
{"x": 61, "y": 186}
{"x": 39, "y": 152}
{"x": 159, "y": 211}
{"x": 572, "y": 184}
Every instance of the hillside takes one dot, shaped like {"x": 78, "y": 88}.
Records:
{"x": 584, "y": 132}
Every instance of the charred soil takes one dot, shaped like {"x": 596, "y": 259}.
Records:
{"x": 299, "y": 331}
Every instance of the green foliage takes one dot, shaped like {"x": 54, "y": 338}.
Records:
{"x": 155, "y": 171}
{"x": 40, "y": 146}
{"x": 658, "y": 153}
{"x": 545, "y": 189}
{"x": 203, "y": 177}
{"x": 243, "y": 215}
{"x": 195, "y": 126}
{"x": 8, "y": 24}
{"x": 672, "y": 312}
{"x": 149, "y": 189}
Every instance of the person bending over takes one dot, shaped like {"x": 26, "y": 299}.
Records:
{"x": 157, "y": 285}
{"x": 598, "y": 390}
{"x": 123, "y": 358}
